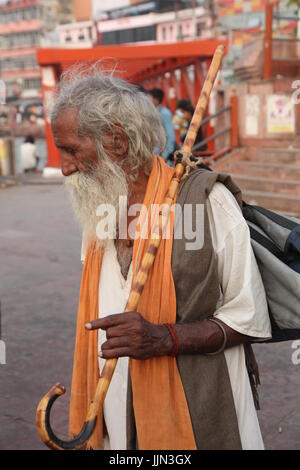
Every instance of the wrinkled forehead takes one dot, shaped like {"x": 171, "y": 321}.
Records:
{"x": 67, "y": 117}
{"x": 65, "y": 125}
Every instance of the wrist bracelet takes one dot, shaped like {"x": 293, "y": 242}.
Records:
{"x": 174, "y": 338}
{"x": 221, "y": 349}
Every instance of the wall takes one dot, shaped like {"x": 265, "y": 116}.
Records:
{"x": 170, "y": 31}
{"x": 81, "y": 34}
{"x": 264, "y": 118}
{"x": 83, "y": 10}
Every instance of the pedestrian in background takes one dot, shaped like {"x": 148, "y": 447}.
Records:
{"x": 29, "y": 159}
{"x": 182, "y": 120}
{"x": 157, "y": 96}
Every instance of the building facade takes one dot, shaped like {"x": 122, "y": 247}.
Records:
{"x": 163, "y": 27}
{"x": 121, "y": 8}
{"x": 20, "y": 34}
{"x": 77, "y": 34}
{"x": 23, "y": 25}
{"x": 245, "y": 19}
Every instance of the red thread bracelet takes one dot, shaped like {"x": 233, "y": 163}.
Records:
{"x": 174, "y": 338}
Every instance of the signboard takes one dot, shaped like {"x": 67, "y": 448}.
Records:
{"x": 280, "y": 114}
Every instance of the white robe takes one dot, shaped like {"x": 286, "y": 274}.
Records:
{"x": 242, "y": 306}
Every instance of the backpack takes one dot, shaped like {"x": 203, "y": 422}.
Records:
{"x": 275, "y": 240}
{"x": 276, "y": 244}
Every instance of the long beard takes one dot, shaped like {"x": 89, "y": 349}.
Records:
{"x": 102, "y": 185}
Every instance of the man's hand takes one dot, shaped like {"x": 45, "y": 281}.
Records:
{"x": 129, "y": 334}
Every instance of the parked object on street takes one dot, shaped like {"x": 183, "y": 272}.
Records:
{"x": 7, "y": 158}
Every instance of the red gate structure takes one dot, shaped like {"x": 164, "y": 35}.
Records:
{"x": 178, "y": 68}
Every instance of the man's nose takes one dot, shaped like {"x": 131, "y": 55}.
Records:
{"x": 68, "y": 166}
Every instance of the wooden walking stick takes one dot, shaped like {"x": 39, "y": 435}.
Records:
{"x": 182, "y": 158}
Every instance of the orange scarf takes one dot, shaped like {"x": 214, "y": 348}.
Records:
{"x": 160, "y": 408}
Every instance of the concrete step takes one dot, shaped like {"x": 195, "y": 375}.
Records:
{"x": 277, "y": 155}
{"x": 263, "y": 169}
{"x": 274, "y": 201}
{"x": 270, "y": 185}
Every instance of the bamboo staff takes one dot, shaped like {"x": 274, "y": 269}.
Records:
{"x": 182, "y": 160}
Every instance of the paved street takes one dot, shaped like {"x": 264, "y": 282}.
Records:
{"x": 40, "y": 273}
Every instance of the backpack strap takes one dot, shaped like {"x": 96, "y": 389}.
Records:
{"x": 277, "y": 218}
{"x": 266, "y": 243}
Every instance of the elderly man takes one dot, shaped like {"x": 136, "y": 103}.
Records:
{"x": 181, "y": 381}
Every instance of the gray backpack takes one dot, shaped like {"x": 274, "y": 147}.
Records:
{"x": 276, "y": 244}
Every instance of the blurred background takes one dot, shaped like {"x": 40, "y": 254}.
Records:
{"x": 251, "y": 130}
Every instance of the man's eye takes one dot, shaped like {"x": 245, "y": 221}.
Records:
{"x": 67, "y": 150}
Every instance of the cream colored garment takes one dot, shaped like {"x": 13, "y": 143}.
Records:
{"x": 28, "y": 156}
{"x": 242, "y": 306}
{"x": 113, "y": 294}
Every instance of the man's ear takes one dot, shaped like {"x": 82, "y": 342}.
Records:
{"x": 120, "y": 142}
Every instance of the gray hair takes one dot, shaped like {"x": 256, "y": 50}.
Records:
{"x": 104, "y": 101}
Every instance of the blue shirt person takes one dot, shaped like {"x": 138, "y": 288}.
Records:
{"x": 157, "y": 96}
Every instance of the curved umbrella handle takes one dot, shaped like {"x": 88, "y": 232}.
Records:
{"x": 43, "y": 413}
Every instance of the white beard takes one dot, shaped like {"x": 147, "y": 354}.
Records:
{"x": 103, "y": 185}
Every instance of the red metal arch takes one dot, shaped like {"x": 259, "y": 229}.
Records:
{"x": 149, "y": 65}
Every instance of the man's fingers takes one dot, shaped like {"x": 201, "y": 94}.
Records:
{"x": 115, "y": 331}
{"x": 114, "y": 353}
{"x": 115, "y": 343}
{"x": 93, "y": 325}
{"x": 109, "y": 321}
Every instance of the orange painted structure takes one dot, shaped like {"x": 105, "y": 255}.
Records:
{"x": 179, "y": 69}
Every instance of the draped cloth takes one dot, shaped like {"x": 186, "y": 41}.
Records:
{"x": 205, "y": 379}
{"x": 85, "y": 367}
{"x": 160, "y": 407}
